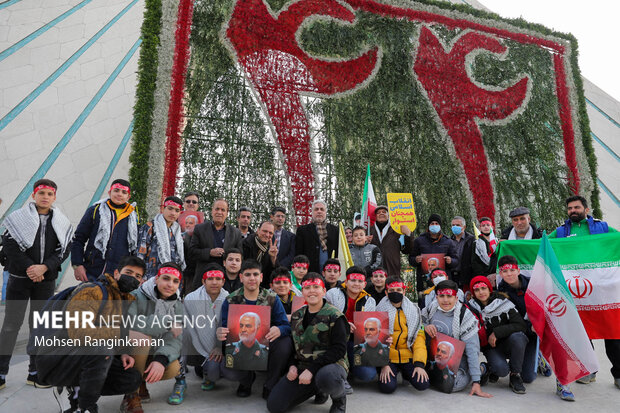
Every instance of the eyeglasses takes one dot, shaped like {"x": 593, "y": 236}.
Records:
{"x": 190, "y": 201}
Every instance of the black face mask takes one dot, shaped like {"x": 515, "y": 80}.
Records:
{"x": 127, "y": 283}
{"x": 395, "y": 297}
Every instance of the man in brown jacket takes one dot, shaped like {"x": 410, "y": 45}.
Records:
{"x": 388, "y": 241}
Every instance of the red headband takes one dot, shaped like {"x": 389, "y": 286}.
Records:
{"x": 332, "y": 267}
{"x": 447, "y": 291}
{"x": 171, "y": 202}
{"x": 379, "y": 272}
{"x": 171, "y": 271}
{"x": 281, "y": 278}
{"x": 509, "y": 267}
{"x": 397, "y": 284}
{"x": 489, "y": 222}
{"x": 120, "y": 186}
{"x": 301, "y": 265}
{"x": 38, "y": 188}
{"x": 480, "y": 284}
{"x": 439, "y": 272}
{"x": 213, "y": 274}
{"x": 314, "y": 281}
{"x": 356, "y": 276}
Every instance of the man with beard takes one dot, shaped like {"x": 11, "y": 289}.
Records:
{"x": 521, "y": 227}
{"x": 318, "y": 240}
{"x": 248, "y": 353}
{"x": 260, "y": 246}
{"x": 372, "y": 352}
{"x": 388, "y": 241}
{"x": 445, "y": 351}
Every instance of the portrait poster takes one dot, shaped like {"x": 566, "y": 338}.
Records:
{"x": 298, "y": 302}
{"x": 199, "y": 215}
{"x": 246, "y": 345}
{"x": 371, "y": 332}
{"x": 436, "y": 261}
{"x": 447, "y": 352}
{"x": 401, "y": 211}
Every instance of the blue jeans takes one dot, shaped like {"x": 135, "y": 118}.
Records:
{"x": 511, "y": 347}
{"x": 5, "y": 281}
{"x": 362, "y": 373}
{"x": 406, "y": 369}
{"x": 530, "y": 364}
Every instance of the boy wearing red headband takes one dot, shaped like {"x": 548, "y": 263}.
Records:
{"x": 299, "y": 269}
{"x": 203, "y": 304}
{"x": 161, "y": 239}
{"x": 349, "y": 298}
{"x": 436, "y": 276}
{"x": 320, "y": 333}
{"x": 331, "y": 273}
{"x": 107, "y": 232}
{"x": 281, "y": 285}
{"x": 376, "y": 287}
{"x": 36, "y": 242}
{"x": 484, "y": 256}
{"x": 408, "y": 348}
{"x": 505, "y": 331}
{"x": 157, "y": 299}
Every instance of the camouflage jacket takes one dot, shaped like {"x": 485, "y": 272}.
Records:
{"x": 265, "y": 297}
{"x": 316, "y": 338}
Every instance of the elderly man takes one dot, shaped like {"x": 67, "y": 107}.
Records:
{"x": 248, "y": 353}
{"x": 212, "y": 238}
{"x": 521, "y": 227}
{"x": 190, "y": 201}
{"x": 283, "y": 239}
{"x": 244, "y": 217}
{"x": 260, "y": 247}
{"x": 463, "y": 241}
{"x": 371, "y": 352}
{"x": 388, "y": 241}
{"x": 317, "y": 240}
{"x": 188, "y": 274}
{"x": 445, "y": 351}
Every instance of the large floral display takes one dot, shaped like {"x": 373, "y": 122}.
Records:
{"x": 285, "y": 102}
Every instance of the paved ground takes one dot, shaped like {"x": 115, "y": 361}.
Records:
{"x": 601, "y": 396}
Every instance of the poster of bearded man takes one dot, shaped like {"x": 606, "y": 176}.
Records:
{"x": 447, "y": 352}
{"x": 371, "y": 338}
{"x": 246, "y": 345}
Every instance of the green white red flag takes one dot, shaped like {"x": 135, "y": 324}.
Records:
{"x": 591, "y": 269}
{"x": 369, "y": 202}
{"x": 551, "y": 309}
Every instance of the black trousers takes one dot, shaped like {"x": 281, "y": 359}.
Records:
{"x": 96, "y": 374}
{"x": 18, "y": 292}
{"x": 612, "y": 348}
{"x": 288, "y": 394}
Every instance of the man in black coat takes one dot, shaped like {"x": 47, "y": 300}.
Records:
{"x": 317, "y": 240}
{"x": 284, "y": 240}
{"x": 521, "y": 227}
{"x": 213, "y": 238}
{"x": 260, "y": 246}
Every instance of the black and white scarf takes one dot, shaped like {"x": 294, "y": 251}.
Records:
{"x": 262, "y": 249}
{"x": 198, "y": 304}
{"x": 162, "y": 233}
{"x": 461, "y": 330}
{"x": 495, "y": 308}
{"x": 412, "y": 313}
{"x": 105, "y": 228}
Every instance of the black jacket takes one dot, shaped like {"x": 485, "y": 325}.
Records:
{"x": 18, "y": 261}
{"x": 202, "y": 243}
{"x": 307, "y": 243}
{"x": 424, "y": 244}
{"x": 506, "y": 323}
{"x": 536, "y": 232}
{"x": 250, "y": 250}
{"x": 286, "y": 250}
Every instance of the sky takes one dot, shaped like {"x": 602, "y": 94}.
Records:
{"x": 594, "y": 23}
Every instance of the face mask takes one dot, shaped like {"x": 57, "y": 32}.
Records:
{"x": 439, "y": 279}
{"x": 395, "y": 297}
{"x": 456, "y": 230}
{"x": 127, "y": 283}
{"x": 434, "y": 229}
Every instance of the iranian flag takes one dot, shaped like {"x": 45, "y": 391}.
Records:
{"x": 551, "y": 309}
{"x": 590, "y": 266}
{"x": 369, "y": 202}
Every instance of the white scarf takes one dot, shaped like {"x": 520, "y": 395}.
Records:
{"x": 382, "y": 233}
{"x": 461, "y": 330}
{"x": 161, "y": 231}
{"x": 496, "y": 308}
{"x": 23, "y": 225}
{"x": 513, "y": 233}
{"x": 481, "y": 251}
{"x": 199, "y": 304}
{"x": 338, "y": 298}
{"x": 412, "y": 313}
{"x": 105, "y": 228}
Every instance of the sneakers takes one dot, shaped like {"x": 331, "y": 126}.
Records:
{"x": 2, "y": 383}
{"x": 131, "y": 403}
{"x": 516, "y": 383}
{"x": 73, "y": 401}
{"x": 321, "y": 398}
{"x": 348, "y": 390}
{"x": 245, "y": 390}
{"x": 543, "y": 367}
{"x": 493, "y": 378}
{"x": 339, "y": 405}
{"x": 564, "y": 392}
{"x": 484, "y": 373}
{"x": 590, "y": 378}
{"x": 207, "y": 385}
{"x": 33, "y": 380}
{"x": 178, "y": 392}
{"x": 616, "y": 383}
{"x": 143, "y": 392}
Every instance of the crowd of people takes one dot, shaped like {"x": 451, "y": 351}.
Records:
{"x": 165, "y": 268}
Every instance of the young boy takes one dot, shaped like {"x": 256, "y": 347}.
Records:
{"x": 107, "y": 232}
{"x": 505, "y": 331}
{"x": 161, "y": 240}
{"x": 408, "y": 348}
{"x": 331, "y": 273}
{"x": 365, "y": 255}
{"x": 376, "y": 288}
{"x": 281, "y": 285}
{"x": 204, "y": 302}
{"x": 320, "y": 333}
{"x": 299, "y": 269}
{"x": 36, "y": 242}
{"x": 158, "y": 300}
{"x": 436, "y": 276}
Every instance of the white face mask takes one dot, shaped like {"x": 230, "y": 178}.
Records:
{"x": 439, "y": 279}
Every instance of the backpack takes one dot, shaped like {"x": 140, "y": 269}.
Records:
{"x": 58, "y": 302}
{"x": 482, "y": 331}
